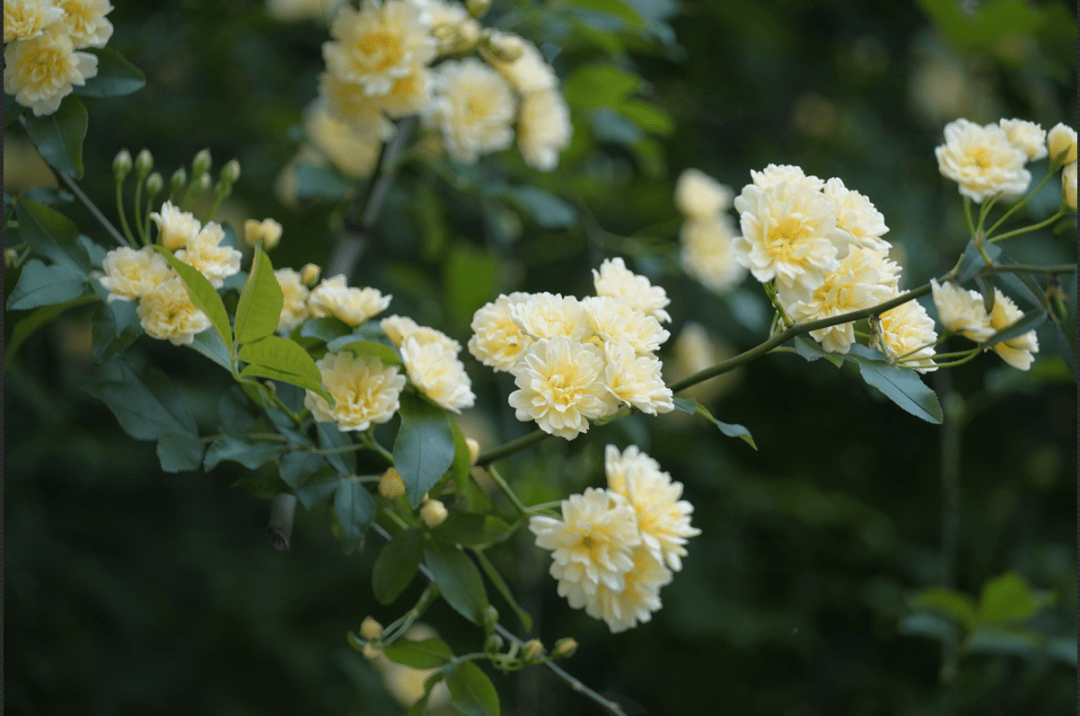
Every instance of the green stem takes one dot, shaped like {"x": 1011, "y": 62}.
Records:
{"x": 505, "y": 487}
{"x": 1026, "y": 229}
{"x": 369, "y": 441}
{"x": 512, "y": 447}
{"x": 1019, "y": 204}
{"x": 950, "y": 504}
{"x": 123, "y": 218}
{"x": 143, "y": 235}
{"x": 967, "y": 215}
{"x": 337, "y": 451}
{"x": 1021, "y": 268}
{"x": 962, "y": 361}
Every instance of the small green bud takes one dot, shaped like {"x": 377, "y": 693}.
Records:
{"x": 202, "y": 183}
{"x": 371, "y": 629}
{"x": 154, "y": 185}
{"x": 493, "y": 643}
{"x": 202, "y": 162}
{"x": 178, "y": 180}
{"x": 564, "y": 647}
{"x": 309, "y": 275}
{"x": 230, "y": 172}
{"x": 532, "y": 651}
{"x": 121, "y": 165}
{"x": 491, "y": 618}
{"x": 504, "y": 46}
{"x": 477, "y": 8}
{"x": 10, "y": 256}
{"x": 144, "y": 164}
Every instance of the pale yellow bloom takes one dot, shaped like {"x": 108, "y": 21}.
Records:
{"x": 638, "y": 599}
{"x": 398, "y": 328}
{"x": 1068, "y": 185}
{"x": 433, "y": 513}
{"x": 354, "y": 154}
{"x": 699, "y": 196}
{"x": 856, "y": 215}
{"x": 1027, "y": 136}
{"x": 1017, "y": 352}
{"x": 347, "y": 103}
{"x": 546, "y": 315}
{"x": 86, "y": 22}
{"x": 982, "y": 161}
{"x": 24, "y": 19}
{"x": 473, "y": 107}
{"x": 636, "y": 380}
{"x": 409, "y": 94}
{"x": 707, "y": 253}
{"x": 498, "y": 341}
{"x": 614, "y": 321}
{"x": 907, "y": 329}
{"x": 530, "y": 72}
{"x": 614, "y": 279}
{"x": 332, "y": 297}
{"x": 560, "y": 386}
{"x": 405, "y": 683}
{"x": 961, "y": 311}
{"x": 1061, "y": 140}
{"x": 268, "y": 231}
{"x": 295, "y": 296}
{"x": 391, "y": 486}
{"x": 212, "y": 260}
{"x": 40, "y": 71}
{"x": 167, "y": 313}
{"x": 437, "y": 373}
{"x": 776, "y": 174}
{"x": 175, "y": 228}
{"x": 365, "y": 391}
{"x": 309, "y": 274}
{"x": 131, "y": 274}
{"x": 544, "y": 128}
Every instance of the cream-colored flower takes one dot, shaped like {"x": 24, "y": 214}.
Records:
{"x": 24, "y": 19}
{"x": 409, "y": 94}
{"x": 982, "y": 160}
{"x": 857, "y": 215}
{"x": 662, "y": 517}
{"x": 776, "y": 174}
{"x": 1061, "y": 141}
{"x": 167, "y": 313}
{"x": 347, "y": 103}
{"x": 544, "y": 128}
{"x": 789, "y": 233}
{"x": 1068, "y": 185}
{"x": 437, "y": 373}
{"x": 354, "y": 154}
{"x": 546, "y": 315}
{"x": 961, "y": 311}
{"x": 591, "y": 545}
{"x": 175, "y": 228}
{"x": 294, "y": 10}
{"x": 433, "y": 513}
{"x": 614, "y": 279}
{"x": 379, "y": 43}
{"x": 365, "y": 391}
{"x": 1028, "y": 136}
{"x": 131, "y": 274}
{"x": 473, "y": 107}
{"x": 708, "y": 255}
{"x": 560, "y": 386}
{"x": 86, "y": 22}
{"x": 399, "y": 328}
{"x": 636, "y": 380}
{"x": 699, "y": 196}
{"x": 391, "y": 486}
{"x": 405, "y": 683}
{"x": 614, "y": 320}
{"x": 906, "y": 334}
{"x": 528, "y": 73}
{"x": 863, "y": 279}
{"x": 638, "y": 599}
{"x": 332, "y": 297}
{"x": 294, "y": 293}
{"x": 498, "y": 341}
{"x": 1017, "y": 351}
{"x": 267, "y": 231}
{"x": 206, "y": 254}
{"x": 309, "y": 274}
{"x": 40, "y": 71}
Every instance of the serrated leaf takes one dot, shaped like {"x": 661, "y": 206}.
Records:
{"x": 972, "y": 261}
{"x": 203, "y": 295}
{"x": 147, "y": 406}
{"x": 471, "y": 691}
{"x": 325, "y": 329}
{"x": 901, "y": 386}
{"x": 318, "y": 491}
{"x": 610, "y": 126}
{"x": 385, "y": 353}
{"x": 811, "y": 350}
{"x": 261, "y": 299}
{"x": 1003, "y": 641}
{"x": 249, "y": 454}
{"x": 355, "y": 510}
{"x": 209, "y": 344}
{"x": 40, "y": 285}
{"x": 298, "y": 465}
{"x": 106, "y": 342}
{"x": 458, "y": 579}
{"x": 50, "y": 234}
{"x": 424, "y": 447}
{"x": 59, "y": 136}
{"x": 426, "y": 654}
{"x": 116, "y": 75}
{"x": 330, "y": 438}
{"x": 1026, "y": 323}
{"x": 651, "y": 118}
{"x": 283, "y": 359}
{"x": 180, "y": 453}
{"x": 396, "y": 565}
{"x": 472, "y": 530}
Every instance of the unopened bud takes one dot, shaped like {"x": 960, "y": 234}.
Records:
{"x": 532, "y": 651}
{"x": 154, "y": 185}
{"x": 433, "y": 513}
{"x": 121, "y": 165}
{"x": 203, "y": 182}
{"x": 310, "y": 274}
{"x": 477, "y": 8}
{"x": 144, "y": 164}
{"x": 10, "y": 256}
{"x": 474, "y": 450}
{"x": 1061, "y": 144}
{"x": 504, "y": 46}
{"x": 490, "y": 617}
{"x": 467, "y": 35}
{"x": 202, "y": 162}
{"x": 371, "y": 629}
{"x": 268, "y": 231}
{"x": 493, "y": 643}
{"x": 391, "y": 485}
{"x": 179, "y": 178}
{"x": 371, "y": 653}
{"x": 230, "y": 172}
{"x": 564, "y": 647}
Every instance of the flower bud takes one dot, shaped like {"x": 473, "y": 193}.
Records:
{"x": 474, "y": 450}
{"x": 390, "y": 484}
{"x": 270, "y": 386}
{"x": 371, "y": 629}
{"x": 121, "y": 165}
{"x": 154, "y": 185}
{"x": 203, "y": 182}
{"x": 433, "y": 512}
{"x": 229, "y": 173}
{"x": 202, "y": 162}
{"x": 144, "y": 163}
{"x": 310, "y": 274}
{"x": 477, "y": 8}
{"x": 268, "y": 231}
{"x": 1068, "y": 183}
{"x": 467, "y": 34}
{"x": 505, "y": 46}
{"x": 179, "y": 178}
{"x": 10, "y": 256}
{"x": 491, "y": 618}
{"x": 532, "y": 651}
{"x": 564, "y": 648}
{"x": 371, "y": 653}
{"x": 493, "y": 643}
{"x": 1061, "y": 140}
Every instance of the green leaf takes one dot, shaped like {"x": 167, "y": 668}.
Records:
{"x": 59, "y": 136}
{"x": 471, "y": 691}
{"x": 689, "y": 405}
{"x": 972, "y": 261}
{"x": 424, "y": 448}
{"x": 41, "y": 285}
{"x": 396, "y": 565}
{"x": 472, "y": 530}
{"x": 259, "y": 309}
{"x": 426, "y": 654}
{"x": 948, "y": 602}
{"x": 148, "y": 407}
{"x": 1010, "y": 598}
{"x": 626, "y": 13}
{"x": 203, "y": 295}
{"x": 610, "y": 126}
{"x": 1003, "y": 641}
{"x": 983, "y": 25}
{"x": 419, "y": 708}
{"x": 651, "y": 118}
{"x": 355, "y": 510}
{"x": 107, "y": 343}
{"x": 548, "y": 210}
{"x": 318, "y": 491}
{"x": 249, "y": 454}
{"x": 504, "y": 590}
{"x": 50, "y": 234}
{"x": 387, "y": 354}
{"x": 929, "y": 625}
{"x": 319, "y": 183}
{"x": 1026, "y": 323}
{"x": 209, "y": 344}
{"x": 325, "y": 329}
{"x": 593, "y": 86}
{"x": 901, "y": 386}
{"x": 42, "y": 316}
{"x": 180, "y": 453}
{"x": 330, "y": 438}
{"x": 458, "y": 579}
{"x": 459, "y": 468}
{"x": 811, "y": 350}
{"x": 298, "y": 465}
{"x": 116, "y": 76}
{"x": 283, "y": 359}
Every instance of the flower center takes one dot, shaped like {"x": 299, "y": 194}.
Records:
{"x": 382, "y": 50}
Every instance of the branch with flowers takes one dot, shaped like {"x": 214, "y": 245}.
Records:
{"x": 357, "y": 417}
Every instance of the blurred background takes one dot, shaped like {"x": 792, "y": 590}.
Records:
{"x": 128, "y": 590}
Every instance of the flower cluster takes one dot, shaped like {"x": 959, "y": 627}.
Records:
{"x": 576, "y": 360}
{"x": 431, "y": 361}
{"x": 165, "y": 309}
{"x": 821, "y": 243}
{"x": 615, "y": 548}
{"x": 964, "y": 312}
{"x": 365, "y": 391}
{"x": 707, "y": 234}
{"x": 43, "y": 39}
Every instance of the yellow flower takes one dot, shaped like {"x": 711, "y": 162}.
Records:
{"x": 907, "y": 329}
{"x": 614, "y": 321}
{"x": 365, "y": 391}
{"x": 1017, "y": 351}
{"x": 433, "y": 513}
{"x": 131, "y": 274}
{"x": 40, "y": 71}
{"x": 391, "y": 486}
{"x": 1068, "y": 185}
{"x": 268, "y": 231}
{"x": 708, "y": 254}
{"x": 774, "y": 175}
{"x": 398, "y": 328}
{"x": 350, "y": 105}
{"x": 206, "y": 254}
{"x": 409, "y": 94}
{"x": 473, "y": 107}
{"x": 24, "y": 19}
{"x": 497, "y": 340}
{"x": 352, "y": 305}
{"x": 1027, "y": 136}
{"x": 167, "y": 313}
{"x": 437, "y": 373}
{"x": 982, "y": 160}
{"x": 636, "y": 380}
{"x": 354, "y": 154}
{"x": 640, "y": 596}
{"x": 295, "y": 296}
{"x": 544, "y": 128}
{"x": 699, "y": 196}
{"x": 86, "y": 22}
{"x": 530, "y": 72}
{"x": 614, "y": 279}
{"x": 961, "y": 311}
{"x": 1061, "y": 141}
{"x": 856, "y": 215}
{"x": 175, "y": 228}
{"x": 546, "y": 315}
